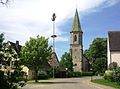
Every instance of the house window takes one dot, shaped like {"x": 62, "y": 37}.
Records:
{"x": 75, "y": 38}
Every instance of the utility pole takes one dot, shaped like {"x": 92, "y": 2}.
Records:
{"x": 53, "y": 36}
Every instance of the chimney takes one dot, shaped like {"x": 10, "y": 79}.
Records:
{"x": 17, "y": 42}
{"x": 17, "y": 46}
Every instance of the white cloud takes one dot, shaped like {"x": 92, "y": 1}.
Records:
{"x": 29, "y": 18}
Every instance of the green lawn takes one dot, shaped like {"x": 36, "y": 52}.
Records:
{"x": 107, "y": 83}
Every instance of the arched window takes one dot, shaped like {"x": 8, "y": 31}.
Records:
{"x": 75, "y": 38}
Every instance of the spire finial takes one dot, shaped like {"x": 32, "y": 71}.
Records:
{"x": 76, "y": 6}
{"x": 76, "y": 3}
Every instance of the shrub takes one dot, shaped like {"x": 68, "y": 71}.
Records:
{"x": 109, "y": 75}
{"x": 3, "y": 82}
{"x": 43, "y": 75}
{"x": 12, "y": 82}
{"x": 76, "y": 74}
{"x": 57, "y": 73}
{"x": 80, "y": 74}
{"x": 113, "y": 65}
{"x": 113, "y": 75}
{"x": 70, "y": 74}
{"x": 60, "y": 74}
{"x": 116, "y": 75}
{"x": 101, "y": 74}
{"x": 86, "y": 73}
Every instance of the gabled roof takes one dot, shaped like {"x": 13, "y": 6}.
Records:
{"x": 76, "y": 24}
{"x": 114, "y": 40}
{"x": 16, "y": 46}
{"x": 53, "y": 60}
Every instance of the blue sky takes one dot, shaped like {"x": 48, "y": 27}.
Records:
{"x": 29, "y": 18}
{"x": 95, "y": 24}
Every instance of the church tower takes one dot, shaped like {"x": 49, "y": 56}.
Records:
{"x": 76, "y": 46}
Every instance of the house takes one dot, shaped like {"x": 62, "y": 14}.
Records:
{"x": 16, "y": 46}
{"x": 113, "y": 51}
{"x": 52, "y": 62}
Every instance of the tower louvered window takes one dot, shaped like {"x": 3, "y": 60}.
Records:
{"x": 75, "y": 38}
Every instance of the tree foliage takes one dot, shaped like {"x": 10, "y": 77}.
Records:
{"x": 98, "y": 49}
{"x": 113, "y": 65}
{"x": 97, "y": 54}
{"x": 10, "y": 69}
{"x": 113, "y": 75}
{"x": 1, "y": 40}
{"x": 36, "y": 53}
{"x": 100, "y": 65}
{"x": 7, "y": 53}
{"x": 4, "y": 1}
{"x": 66, "y": 61}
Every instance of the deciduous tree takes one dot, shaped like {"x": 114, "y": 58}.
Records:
{"x": 1, "y": 40}
{"x": 97, "y": 52}
{"x": 10, "y": 69}
{"x": 4, "y": 1}
{"x": 66, "y": 61}
{"x": 36, "y": 53}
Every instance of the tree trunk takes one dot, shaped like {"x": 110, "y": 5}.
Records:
{"x": 36, "y": 75}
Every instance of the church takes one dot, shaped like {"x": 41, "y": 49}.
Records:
{"x": 80, "y": 63}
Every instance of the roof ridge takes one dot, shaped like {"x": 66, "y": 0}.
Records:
{"x": 113, "y": 31}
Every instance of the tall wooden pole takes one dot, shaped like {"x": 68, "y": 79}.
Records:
{"x": 53, "y": 36}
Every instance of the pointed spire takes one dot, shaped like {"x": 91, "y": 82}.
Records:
{"x": 76, "y": 24}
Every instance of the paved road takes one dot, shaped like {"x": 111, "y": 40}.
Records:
{"x": 66, "y": 83}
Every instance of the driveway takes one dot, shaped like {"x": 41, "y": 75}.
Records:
{"x": 66, "y": 83}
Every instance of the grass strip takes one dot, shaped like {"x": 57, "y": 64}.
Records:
{"x": 107, "y": 83}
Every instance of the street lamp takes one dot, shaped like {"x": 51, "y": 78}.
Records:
{"x": 53, "y": 36}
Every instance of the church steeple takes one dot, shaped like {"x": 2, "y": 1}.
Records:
{"x": 76, "y": 24}
{"x": 76, "y": 46}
